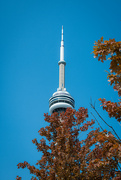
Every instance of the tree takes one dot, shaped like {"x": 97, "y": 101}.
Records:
{"x": 66, "y": 156}
{"x": 111, "y": 49}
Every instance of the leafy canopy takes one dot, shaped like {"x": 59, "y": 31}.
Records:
{"x": 67, "y": 157}
{"x": 111, "y": 50}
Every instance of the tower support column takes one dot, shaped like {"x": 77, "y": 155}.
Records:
{"x": 61, "y": 76}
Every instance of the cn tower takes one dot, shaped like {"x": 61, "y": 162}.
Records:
{"x": 61, "y": 99}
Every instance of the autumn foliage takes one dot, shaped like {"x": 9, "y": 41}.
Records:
{"x": 111, "y": 50}
{"x": 65, "y": 156}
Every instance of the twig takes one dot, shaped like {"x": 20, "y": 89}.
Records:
{"x": 97, "y": 121}
{"x": 105, "y": 121}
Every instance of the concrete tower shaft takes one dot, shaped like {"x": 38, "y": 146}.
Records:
{"x": 61, "y": 76}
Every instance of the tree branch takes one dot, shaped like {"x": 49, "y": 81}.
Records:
{"x": 105, "y": 121}
{"x": 97, "y": 121}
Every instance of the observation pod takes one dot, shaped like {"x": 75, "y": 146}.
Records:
{"x": 61, "y": 99}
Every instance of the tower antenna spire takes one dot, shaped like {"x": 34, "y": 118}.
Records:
{"x": 62, "y": 33}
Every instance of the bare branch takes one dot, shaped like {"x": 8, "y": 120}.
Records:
{"x": 97, "y": 121}
{"x": 105, "y": 121}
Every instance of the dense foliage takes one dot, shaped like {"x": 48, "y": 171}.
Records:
{"x": 66, "y": 157}
{"x": 111, "y": 50}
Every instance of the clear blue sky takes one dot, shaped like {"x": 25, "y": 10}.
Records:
{"x": 30, "y": 34}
